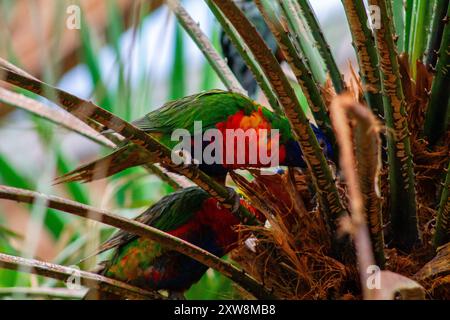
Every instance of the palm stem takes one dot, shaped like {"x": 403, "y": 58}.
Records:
{"x": 402, "y": 194}
{"x": 436, "y": 32}
{"x": 322, "y": 44}
{"x": 292, "y": 13}
{"x": 367, "y": 55}
{"x": 438, "y": 112}
{"x": 398, "y": 13}
{"x": 442, "y": 234}
{"x": 247, "y": 56}
{"x": 302, "y": 73}
{"x": 418, "y": 40}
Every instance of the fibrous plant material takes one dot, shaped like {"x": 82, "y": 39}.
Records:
{"x": 293, "y": 253}
{"x": 435, "y": 275}
{"x": 402, "y": 195}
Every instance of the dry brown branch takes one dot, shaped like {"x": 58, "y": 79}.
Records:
{"x": 87, "y": 279}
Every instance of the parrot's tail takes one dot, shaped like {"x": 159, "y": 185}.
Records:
{"x": 121, "y": 159}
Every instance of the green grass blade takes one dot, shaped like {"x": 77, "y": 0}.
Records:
{"x": 178, "y": 83}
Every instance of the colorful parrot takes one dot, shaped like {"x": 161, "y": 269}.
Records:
{"x": 216, "y": 109}
{"x": 234, "y": 59}
{"x": 190, "y": 214}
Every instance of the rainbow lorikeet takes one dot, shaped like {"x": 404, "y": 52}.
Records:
{"x": 234, "y": 59}
{"x": 190, "y": 214}
{"x": 215, "y": 109}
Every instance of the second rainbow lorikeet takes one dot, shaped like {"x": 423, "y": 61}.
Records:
{"x": 215, "y": 109}
{"x": 234, "y": 59}
{"x": 190, "y": 214}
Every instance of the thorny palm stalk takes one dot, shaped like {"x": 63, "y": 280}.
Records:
{"x": 436, "y": 31}
{"x": 302, "y": 39}
{"x": 436, "y": 120}
{"x": 240, "y": 46}
{"x": 322, "y": 44}
{"x": 300, "y": 69}
{"x": 322, "y": 177}
{"x": 364, "y": 45}
{"x": 442, "y": 234}
{"x": 402, "y": 196}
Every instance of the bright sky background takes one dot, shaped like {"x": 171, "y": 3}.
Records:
{"x": 152, "y": 53}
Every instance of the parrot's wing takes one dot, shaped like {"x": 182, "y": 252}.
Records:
{"x": 210, "y": 107}
{"x": 167, "y": 214}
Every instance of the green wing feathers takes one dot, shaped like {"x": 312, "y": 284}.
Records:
{"x": 121, "y": 159}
